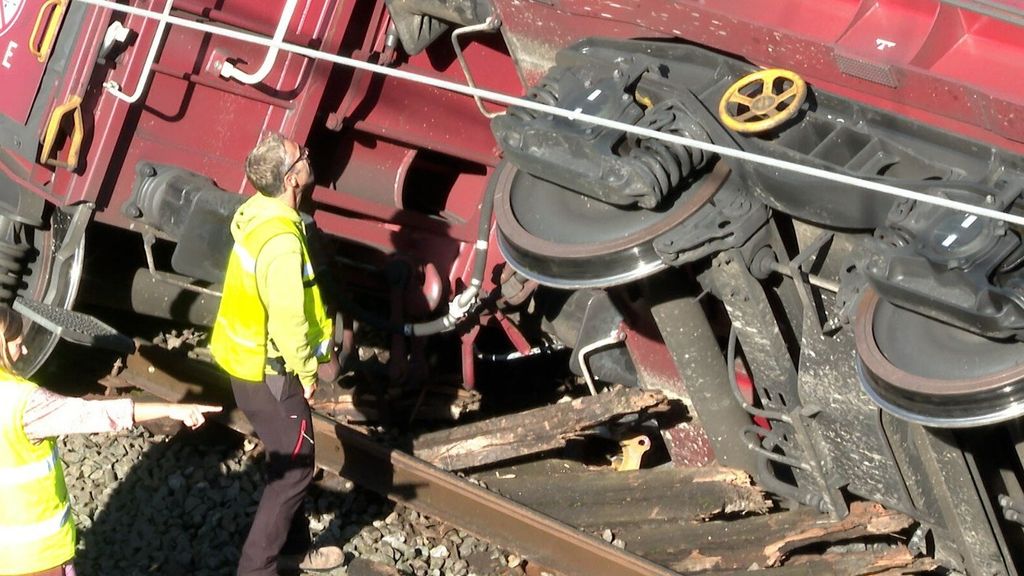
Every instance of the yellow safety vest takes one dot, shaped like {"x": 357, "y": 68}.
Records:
{"x": 239, "y": 340}
{"x": 36, "y": 529}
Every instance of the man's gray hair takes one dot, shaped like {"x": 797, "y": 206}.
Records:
{"x": 265, "y": 165}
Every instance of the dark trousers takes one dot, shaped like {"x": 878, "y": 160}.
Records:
{"x": 281, "y": 418}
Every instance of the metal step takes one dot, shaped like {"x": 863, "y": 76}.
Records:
{"x": 74, "y": 326}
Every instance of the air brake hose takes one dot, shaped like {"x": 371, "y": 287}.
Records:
{"x": 461, "y": 304}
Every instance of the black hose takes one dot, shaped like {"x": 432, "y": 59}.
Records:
{"x": 451, "y": 319}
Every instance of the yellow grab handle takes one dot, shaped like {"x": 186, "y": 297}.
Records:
{"x": 45, "y": 44}
{"x": 73, "y": 105}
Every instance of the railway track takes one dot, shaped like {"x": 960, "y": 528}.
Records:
{"x": 549, "y": 545}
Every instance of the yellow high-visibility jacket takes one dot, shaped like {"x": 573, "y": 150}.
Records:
{"x": 36, "y": 529}
{"x": 271, "y": 305}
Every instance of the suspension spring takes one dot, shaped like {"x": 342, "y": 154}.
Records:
{"x": 662, "y": 164}
{"x": 13, "y": 266}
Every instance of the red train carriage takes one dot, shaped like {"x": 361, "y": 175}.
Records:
{"x": 642, "y": 200}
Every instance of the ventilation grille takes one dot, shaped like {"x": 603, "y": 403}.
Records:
{"x": 865, "y": 70}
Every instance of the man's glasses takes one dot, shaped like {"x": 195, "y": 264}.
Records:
{"x": 303, "y": 155}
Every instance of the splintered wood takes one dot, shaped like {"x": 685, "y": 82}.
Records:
{"x": 599, "y": 499}
{"x": 711, "y": 520}
{"x": 866, "y": 519}
{"x": 801, "y": 538}
{"x": 529, "y": 432}
{"x": 439, "y": 403}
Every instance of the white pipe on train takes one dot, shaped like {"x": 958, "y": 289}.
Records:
{"x": 229, "y": 70}
{"x": 572, "y": 115}
{"x": 114, "y": 89}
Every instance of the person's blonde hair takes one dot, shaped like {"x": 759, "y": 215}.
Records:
{"x": 266, "y": 166}
{"x": 11, "y": 327}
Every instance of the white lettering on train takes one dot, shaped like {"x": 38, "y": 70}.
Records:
{"x": 11, "y": 47}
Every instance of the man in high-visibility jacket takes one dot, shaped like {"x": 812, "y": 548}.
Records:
{"x": 270, "y": 335}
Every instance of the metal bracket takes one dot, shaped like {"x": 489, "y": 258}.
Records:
{"x": 798, "y": 269}
{"x": 633, "y": 450}
{"x": 148, "y": 238}
{"x": 775, "y": 379}
{"x": 585, "y": 351}
{"x": 727, "y": 221}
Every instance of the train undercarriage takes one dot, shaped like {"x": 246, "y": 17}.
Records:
{"x": 847, "y": 330}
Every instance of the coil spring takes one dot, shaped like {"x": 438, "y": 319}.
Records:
{"x": 13, "y": 266}
{"x": 665, "y": 165}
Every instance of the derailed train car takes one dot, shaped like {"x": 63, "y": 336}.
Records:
{"x": 881, "y": 331}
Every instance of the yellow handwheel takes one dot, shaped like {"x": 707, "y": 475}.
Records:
{"x": 762, "y": 100}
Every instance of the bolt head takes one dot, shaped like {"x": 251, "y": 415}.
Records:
{"x": 514, "y": 139}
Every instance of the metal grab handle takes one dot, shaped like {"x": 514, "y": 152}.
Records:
{"x": 490, "y": 25}
{"x": 73, "y": 105}
{"x": 115, "y": 89}
{"x": 229, "y": 71}
{"x": 42, "y": 52}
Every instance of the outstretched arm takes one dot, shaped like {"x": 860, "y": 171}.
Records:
{"x": 192, "y": 415}
{"x": 48, "y": 414}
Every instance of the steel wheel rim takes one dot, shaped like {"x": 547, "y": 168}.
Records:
{"x": 599, "y": 264}
{"x": 951, "y": 403}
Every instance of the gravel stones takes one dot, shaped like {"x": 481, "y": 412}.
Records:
{"x": 182, "y": 505}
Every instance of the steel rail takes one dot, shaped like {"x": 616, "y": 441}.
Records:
{"x": 345, "y": 451}
{"x": 341, "y": 449}
{"x": 546, "y": 543}
{"x": 403, "y": 478}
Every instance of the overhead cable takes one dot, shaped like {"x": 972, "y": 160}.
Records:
{"x": 572, "y": 115}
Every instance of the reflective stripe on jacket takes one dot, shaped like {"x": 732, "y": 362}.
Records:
{"x": 240, "y": 337}
{"x": 36, "y": 530}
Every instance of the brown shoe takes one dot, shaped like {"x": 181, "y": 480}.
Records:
{"x": 323, "y": 559}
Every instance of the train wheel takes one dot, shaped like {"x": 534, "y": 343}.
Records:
{"x": 564, "y": 239}
{"x": 925, "y": 371}
{"x": 42, "y": 264}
